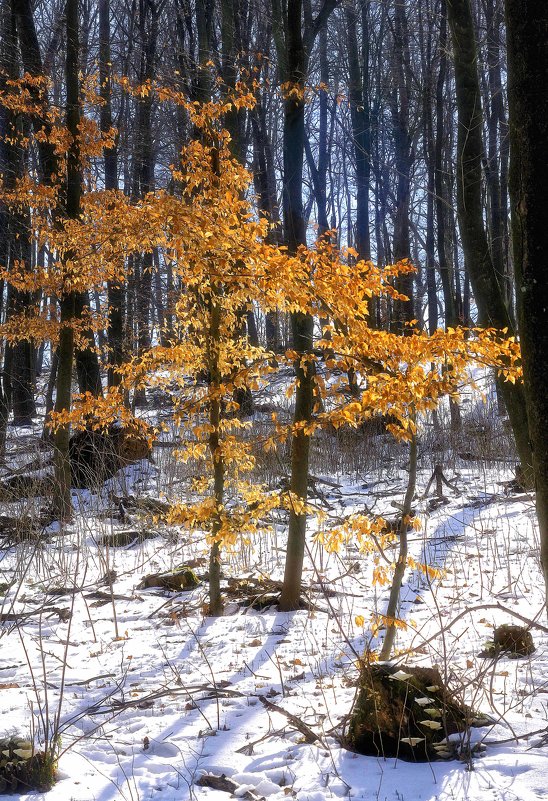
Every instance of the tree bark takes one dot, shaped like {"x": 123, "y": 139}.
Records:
{"x": 87, "y": 359}
{"x": 451, "y": 317}
{"x": 527, "y": 35}
{"x": 18, "y": 240}
{"x": 403, "y": 310}
{"x": 115, "y": 291}
{"x": 293, "y": 45}
{"x": 358, "y": 92}
{"x": 73, "y": 190}
{"x": 483, "y": 277}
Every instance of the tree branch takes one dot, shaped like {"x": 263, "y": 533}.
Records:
{"x": 313, "y": 29}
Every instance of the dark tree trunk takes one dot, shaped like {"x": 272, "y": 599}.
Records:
{"x": 115, "y": 291}
{"x": 231, "y": 12}
{"x": 497, "y": 151}
{"x": 358, "y": 91}
{"x": 87, "y": 359}
{"x": 6, "y": 57}
{"x": 73, "y": 191}
{"x": 319, "y": 172}
{"x": 451, "y": 317}
{"x": 144, "y": 156}
{"x": 403, "y": 310}
{"x": 264, "y": 178}
{"x": 143, "y": 176}
{"x": 527, "y": 32}
{"x": 429, "y": 157}
{"x": 302, "y": 325}
{"x": 293, "y": 47}
{"x": 20, "y": 359}
{"x": 484, "y": 279}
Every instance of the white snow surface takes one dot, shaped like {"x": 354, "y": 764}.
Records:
{"x": 153, "y": 697}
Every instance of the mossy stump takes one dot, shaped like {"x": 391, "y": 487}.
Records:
{"x": 22, "y": 769}
{"x": 512, "y": 640}
{"x": 405, "y": 712}
{"x": 183, "y": 578}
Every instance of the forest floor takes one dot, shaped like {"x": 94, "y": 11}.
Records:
{"x": 149, "y": 696}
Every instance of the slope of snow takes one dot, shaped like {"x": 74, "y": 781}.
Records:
{"x": 148, "y": 694}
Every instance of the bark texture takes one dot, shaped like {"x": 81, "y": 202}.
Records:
{"x": 527, "y": 32}
{"x": 483, "y": 276}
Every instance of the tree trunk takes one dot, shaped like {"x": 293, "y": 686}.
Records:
{"x": 73, "y": 190}
{"x": 215, "y": 598}
{"x": 48, "y": 160}
{"x": 401, "y": 564}
{"x": 527, "y": 34}
{"x": 115, "y": 291}
{"x": 18, "y": 236}
{"x": 358, "y": 92}
{"x": 301, "y": 325}
{"x": 403, "y": 310}
{"x": 293, "y": 51}
{"x": 484, "y": 279}
{"x": 451, "y": 317}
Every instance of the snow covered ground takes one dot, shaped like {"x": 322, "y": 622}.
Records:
{"x": 148, "y": 695}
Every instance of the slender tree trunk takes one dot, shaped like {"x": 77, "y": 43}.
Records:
{"x": 301, "y": 324}
{"x": 429, "y": 157}
{"x": 115, "y": 291}
{"x": 215, "y": 598}
{"x": 404, "y": 310}
{"x": 143, "y": 173}
{"x": 231, "y": 11}
{"x": 293, "y": 49}
{"x": 497, "y": 152}
{"x": 65, "y": 351}
{"x": 401, "y": 564}
{"x": 18, "y": 236}
{"x": 451, "y": 318}
{"x": 264, "y": 178}
{"x": 6, "y": 57}
{"x": 527, "y": 33}
{"x": 358, "y": 90}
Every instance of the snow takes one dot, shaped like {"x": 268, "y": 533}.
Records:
{"x": 153, "y": 697}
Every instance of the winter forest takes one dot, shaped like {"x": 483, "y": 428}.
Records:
{"x": 273, "y": 407}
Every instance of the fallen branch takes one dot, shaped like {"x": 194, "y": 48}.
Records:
{"x": 439, "y": 477}
{"x": 225, "y": 785}
{"x": 309, "y": 735}
{"x": 20, "y": 617}
{"x": 479, "y": 608}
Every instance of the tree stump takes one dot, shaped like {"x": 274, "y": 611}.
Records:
{"x": 405, "y": 712}
{"x": 22, "y": 769}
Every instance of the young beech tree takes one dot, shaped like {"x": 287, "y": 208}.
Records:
{"x": 206, "y": 229}
{"x": 401, "y": 377}
{"x": 217, "y": 251}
